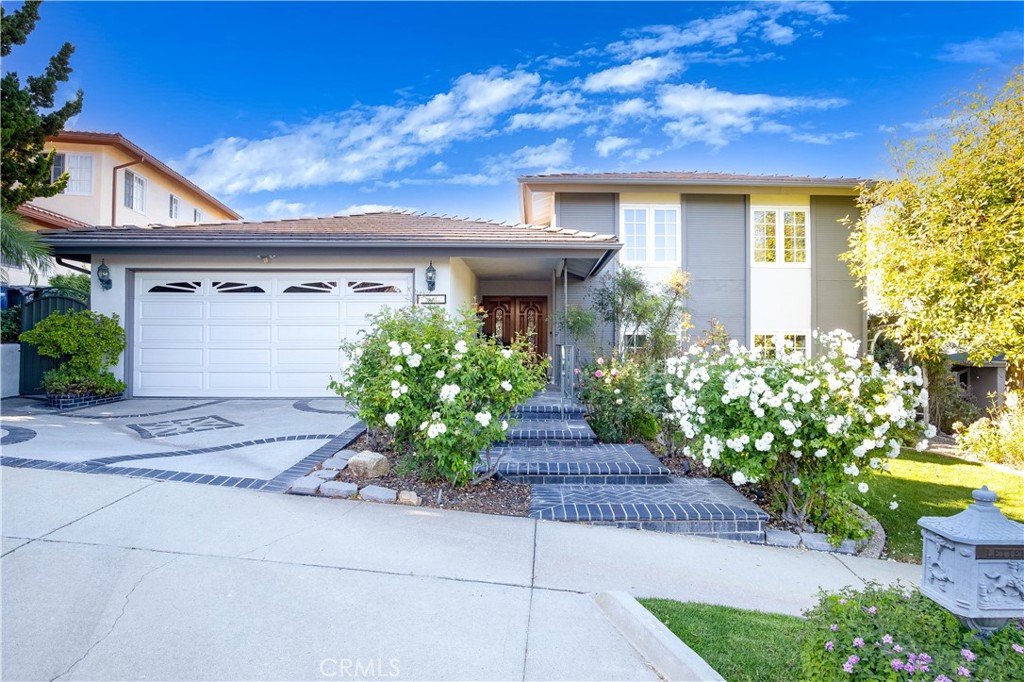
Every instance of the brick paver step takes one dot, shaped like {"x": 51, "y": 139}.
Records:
{"x": 694, "y": 506}
{"x": 600, "y": 464}
{"x": 539, "y": 432}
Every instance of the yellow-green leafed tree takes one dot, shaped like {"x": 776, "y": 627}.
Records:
{"x": 940, "y": 246}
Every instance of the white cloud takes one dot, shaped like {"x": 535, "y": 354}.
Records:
{"x": 699, "y": 113}
{"x": 362, "y": 143}
{"x": 503, "y": 168}
{"x": 607, "y": 145}
{"x": 823, "y": 138}
{"x": 635, "y": 107}
{"x": 776, "y": 33}
{"x": 1006, "y": 46}
{"x": 550, "y": 120}
{"x": 439, "y": 168}
{"x": 634, "y": 75}
{"x": 277, "y": 209}
{"x": 356, "y": 209}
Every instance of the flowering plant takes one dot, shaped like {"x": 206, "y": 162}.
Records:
{"x": 897, "y": 633}
{"x": 436, "y": 387}
{"x": 806, "y": 429}
{"x": 613, "y": 390}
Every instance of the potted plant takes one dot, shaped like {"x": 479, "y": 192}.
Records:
{"x": 89, "y": 344}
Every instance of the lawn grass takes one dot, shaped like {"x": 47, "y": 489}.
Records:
{"x": 741, "y": 645}
{"x": 930, "y": 484}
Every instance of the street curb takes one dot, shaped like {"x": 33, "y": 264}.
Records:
{"x": 666, "y": 653}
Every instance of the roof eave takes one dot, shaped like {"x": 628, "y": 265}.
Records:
{"x": 541, "y": 180}
{"x": 78, "y": 244}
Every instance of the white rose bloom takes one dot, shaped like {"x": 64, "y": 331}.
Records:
{"x": 863, "y": 487}
{"x": 439, "y": 374}
{"x": 738, "y": 478}
{"x": 391, "y": 419}
{"x": 398, "y": 368}
{"x": 458, "y": 365}
{"x": 394, "y": 383}
{"x": 404, "y": 389}
{"x": 922, "y": 446}
{"x": 504, "y": 425}
{"x": 894, "y": 505}
{"x": 506, "y": 353}
{"x": 930, "y": 431}
{"x": 507, "y": 385}
{"x": 460, "y": 346}
{"x": 796, "y": 481}
{"x": 851, "y": 470}
{"x": 426, "y": 346}
{"x": 618, "y": 401}
{"x": 484, "y": 418}
{"x": 406, "y": 348}
{"x": 396, "y": 393}
{"x": 797, "y": 442}
{"x": 617, "y": 391}
{"x": 448, "y": 392}
{"x": 764, "y": 443}
{"x": 414, "y": 360}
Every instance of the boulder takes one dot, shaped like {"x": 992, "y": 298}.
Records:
{"x": 369, "y": 464}
{"x": 408, "y": 497}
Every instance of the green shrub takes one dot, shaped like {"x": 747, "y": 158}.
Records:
{"x": 614, "y": 392}
{"x": 87, "y": 343}
{"x": 999, "y": 438}
{"x": 436, "y": 387}
{"x": 75, "y": 286}
{"x": 10, "y": 324}
{"x": 897, "y": 633}
{"x": 805, "y": 429}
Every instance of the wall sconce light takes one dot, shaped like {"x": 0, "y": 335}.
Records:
{"x": 266, "y": 259}
{"x": 103, "y": 275}
{"x": 431, "y": 276}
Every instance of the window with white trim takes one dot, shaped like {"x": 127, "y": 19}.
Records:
{"x": 780, "y": 236}
{"x": 134, "y": 191}
{"x": 197, "y": 215}
{"x": 79, "y": 169}
{"x": 781, "y": 343}
{"x": 174, "y": 210}
{"x": 650, "y": 234}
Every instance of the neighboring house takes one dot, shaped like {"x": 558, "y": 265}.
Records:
{"x": 762, "y": 251}
{"x": 258, "y": 308}
{"x": 984, "y": 383}
{"x": 114, "y": 182}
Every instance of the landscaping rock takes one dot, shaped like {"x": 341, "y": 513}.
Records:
{"x": 376, "y": 493}
{"x": 409, "y": 497}
{"x": 846, "y": 547}
{"x": 781, "y": 538}
{"x": 817, "y": 542}
{"x": 335, "y": 462}
{"x": 369, "y": 465}
{"x": 324, "y": 474}
{"x": 307, "y": 485}
{"x": 339, "y": 489}
{"x": 346, "y": 454}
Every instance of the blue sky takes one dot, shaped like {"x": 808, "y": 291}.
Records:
{"x": 287, "y": 109}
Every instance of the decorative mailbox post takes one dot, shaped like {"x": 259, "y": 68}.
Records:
{"x": 974, "y": 564}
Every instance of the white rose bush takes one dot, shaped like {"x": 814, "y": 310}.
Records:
{"x": 805, "y": 430}
{"x": 435, "y": 388}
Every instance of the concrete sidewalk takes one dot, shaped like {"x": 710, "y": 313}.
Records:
{"x": 116, "y": 578}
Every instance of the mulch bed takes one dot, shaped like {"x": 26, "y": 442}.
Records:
{"x": 493, "y": 496}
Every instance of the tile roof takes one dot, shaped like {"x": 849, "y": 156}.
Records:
{"x": 49, "y": 218}
{"x": 132, "y": 149}
{"x": 687, "y": 178}
{"x": 364, "y": 229}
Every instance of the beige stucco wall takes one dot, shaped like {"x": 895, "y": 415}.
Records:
{"x": 95, "y": 208}
{"x": 464, "y": 284}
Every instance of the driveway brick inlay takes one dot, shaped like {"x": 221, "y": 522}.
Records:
{"x": 177, "y": 427}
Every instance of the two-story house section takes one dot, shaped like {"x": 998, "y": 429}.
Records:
{"x": 113, "y": 181}
{"x": 762, "y": 252}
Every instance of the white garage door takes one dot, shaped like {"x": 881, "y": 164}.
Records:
{"x": 251, "y": 333}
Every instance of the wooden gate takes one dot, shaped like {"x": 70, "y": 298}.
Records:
{"x": 38, "y": 305}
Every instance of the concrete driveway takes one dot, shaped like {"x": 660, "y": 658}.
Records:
{"x": 250, "y": 443}
{"x": 107, "y": 577}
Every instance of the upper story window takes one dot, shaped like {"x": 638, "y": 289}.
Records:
{"x": 174, "y": 210}
{"x": 780, "y": 235}
{"x": 650, "y": 234}
{"x": 134, "y": 191}
{"x": 197, "y": 216}
{"x": 78, "y": 167}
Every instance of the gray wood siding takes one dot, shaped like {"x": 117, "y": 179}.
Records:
{"x": 589, "y": 212}
{"x": 715, "y": 255}
{"x": 592, "y": 213}
{"x": 837, "y": 300}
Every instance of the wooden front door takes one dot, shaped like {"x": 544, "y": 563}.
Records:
{"x": 512, "y": 316}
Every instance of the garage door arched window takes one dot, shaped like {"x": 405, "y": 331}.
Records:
{"x": 176, "y": 288}
{"x": 373, "y": 288}
{"x": 312, "y": 288}
{"x": 237, "y": 288}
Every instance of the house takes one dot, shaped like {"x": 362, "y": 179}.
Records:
{"x": 762, "y": 251}
{"x": 984, "y": 383}
{"x": 113, "y": 181}
{"x": 257, "y": 308}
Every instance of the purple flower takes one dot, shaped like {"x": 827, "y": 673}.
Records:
{"x": 833, "y": 627}
{"x": 872, "y": 610}
{"x": 887, "y": 639}
{"x": 942, "y": 678}
{"x": 858, "y": 642}
{"x": 925, "y": 658}
{"x": 897, "y": 648}
{"x": 843, "y": 601}
{"x": 968, "y": 654}
{"x": 829, "y": 646}
{"x": 909, "y": 669}
{"x": 896, "y": 664}
{"x": 963, "y": 672}
{"x": 848, "y": 667}
{"x": 1018, "y": 648}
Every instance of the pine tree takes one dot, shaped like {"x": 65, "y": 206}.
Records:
{"x": 28, "y": 117}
